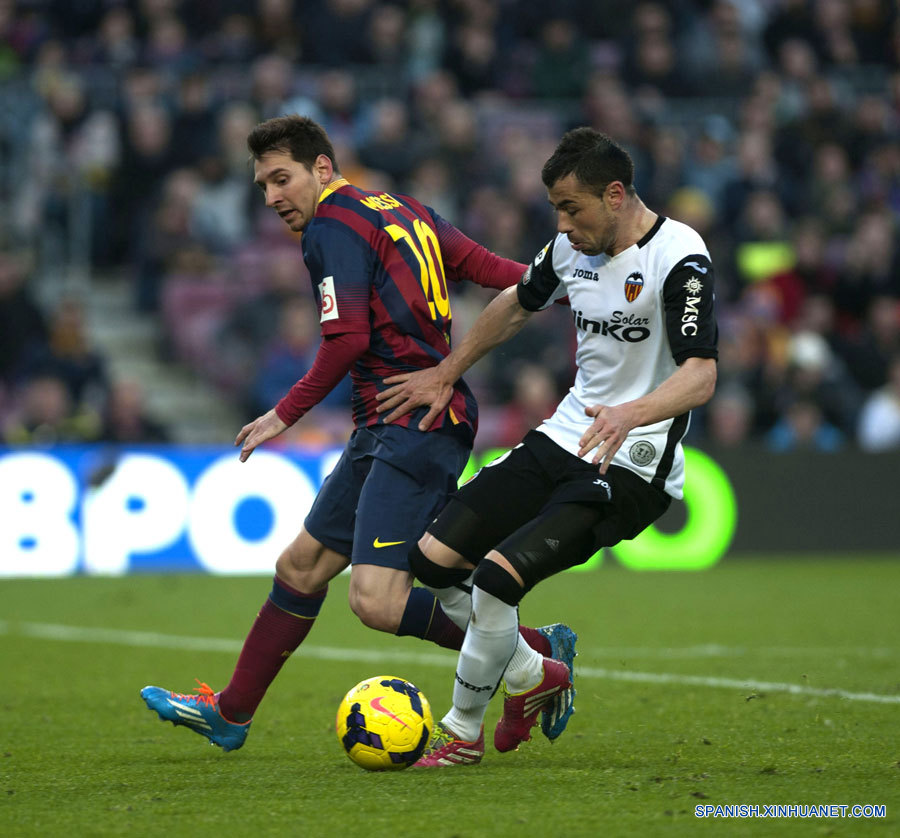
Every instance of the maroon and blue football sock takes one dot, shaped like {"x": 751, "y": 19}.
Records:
{"x": 423, "y": 617}
{"x": 280, "y": 627}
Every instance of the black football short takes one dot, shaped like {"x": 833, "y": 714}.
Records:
{"x": 545, "y": 509}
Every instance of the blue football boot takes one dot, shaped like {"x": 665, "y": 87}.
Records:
{"x": 555, "y": 717}
{"x": 198, "y": 712}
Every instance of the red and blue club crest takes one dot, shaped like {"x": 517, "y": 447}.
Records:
{"x": 633, "y": 286}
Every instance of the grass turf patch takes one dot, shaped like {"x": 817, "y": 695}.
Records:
{"x": 81, "y": 755}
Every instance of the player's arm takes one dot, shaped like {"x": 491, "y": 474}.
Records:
{"x": 334, "y": 359}
{"x": 466, "y": 259}
{"x": 689, "y": 308}
{"x": 690, "y": 386}
{"x": 343, "y": 259}
{"x": 503, "y": 317}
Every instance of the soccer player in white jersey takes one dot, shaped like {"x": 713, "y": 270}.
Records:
{"x": 603, "y": 467}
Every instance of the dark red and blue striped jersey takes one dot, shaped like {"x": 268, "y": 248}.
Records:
{"x": 380, "y": 265}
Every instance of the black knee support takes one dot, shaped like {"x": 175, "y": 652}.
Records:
{"x": 560, "y": 538}
{"x": 536, "y": 565}
{"x": 461, "y": 530}
{"x": 432, "y": 574}
{"x": 496, "y": 581}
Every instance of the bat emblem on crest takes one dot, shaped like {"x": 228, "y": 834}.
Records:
{"x": 634, "y": 284}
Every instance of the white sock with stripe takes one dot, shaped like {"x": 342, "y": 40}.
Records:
{"x": 456, "y": 603}
{"x": 489, "y": 644}
{"x": 525, "y": 670}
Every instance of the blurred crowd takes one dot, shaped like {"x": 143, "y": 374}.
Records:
{"x": 771, "y": 126}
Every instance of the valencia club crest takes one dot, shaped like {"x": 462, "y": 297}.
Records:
{"x": 633, "y": 286}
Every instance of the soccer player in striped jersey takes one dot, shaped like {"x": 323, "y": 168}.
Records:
{"x": 605, "y": 465}
{"x": 380, "y": 265}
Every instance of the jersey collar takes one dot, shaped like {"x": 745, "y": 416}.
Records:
{"x": 333, "y": 187}
{"x": 652, "y": 231}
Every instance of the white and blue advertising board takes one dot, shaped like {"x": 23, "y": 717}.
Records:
{"x": 98, "y": 510}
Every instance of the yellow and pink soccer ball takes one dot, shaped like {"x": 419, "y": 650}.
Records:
{"x": 384, "y": 723}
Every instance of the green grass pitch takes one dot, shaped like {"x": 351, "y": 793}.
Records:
{"x": 769, "y": 681}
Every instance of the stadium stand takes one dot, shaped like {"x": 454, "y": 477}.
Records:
{"x": 772, "y": 126}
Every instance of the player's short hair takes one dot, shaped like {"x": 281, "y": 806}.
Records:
{"x": 301, "y": 137}
{"x": 594, "y": 158}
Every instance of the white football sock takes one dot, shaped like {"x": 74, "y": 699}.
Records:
{"x": 489, "y": 644}
{"x": 457, "y": 603}
{"x": 525, "y": 670}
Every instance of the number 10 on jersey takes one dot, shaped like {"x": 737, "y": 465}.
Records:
{"x": 431, "y": 269}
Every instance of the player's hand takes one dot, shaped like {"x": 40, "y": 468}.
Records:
{"x": 414, "y": 389}
{"x": 606, "y": 433}
{"x": 258, "y": 431}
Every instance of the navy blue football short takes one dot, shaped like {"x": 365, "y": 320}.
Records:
{"x": 388, "y": 486}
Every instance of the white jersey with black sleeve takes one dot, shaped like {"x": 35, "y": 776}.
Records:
{"x": 638, "y": 315}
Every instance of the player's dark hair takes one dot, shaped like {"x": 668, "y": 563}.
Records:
{"x": 301, "y": 137}
{"x": 593, "y": 158}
